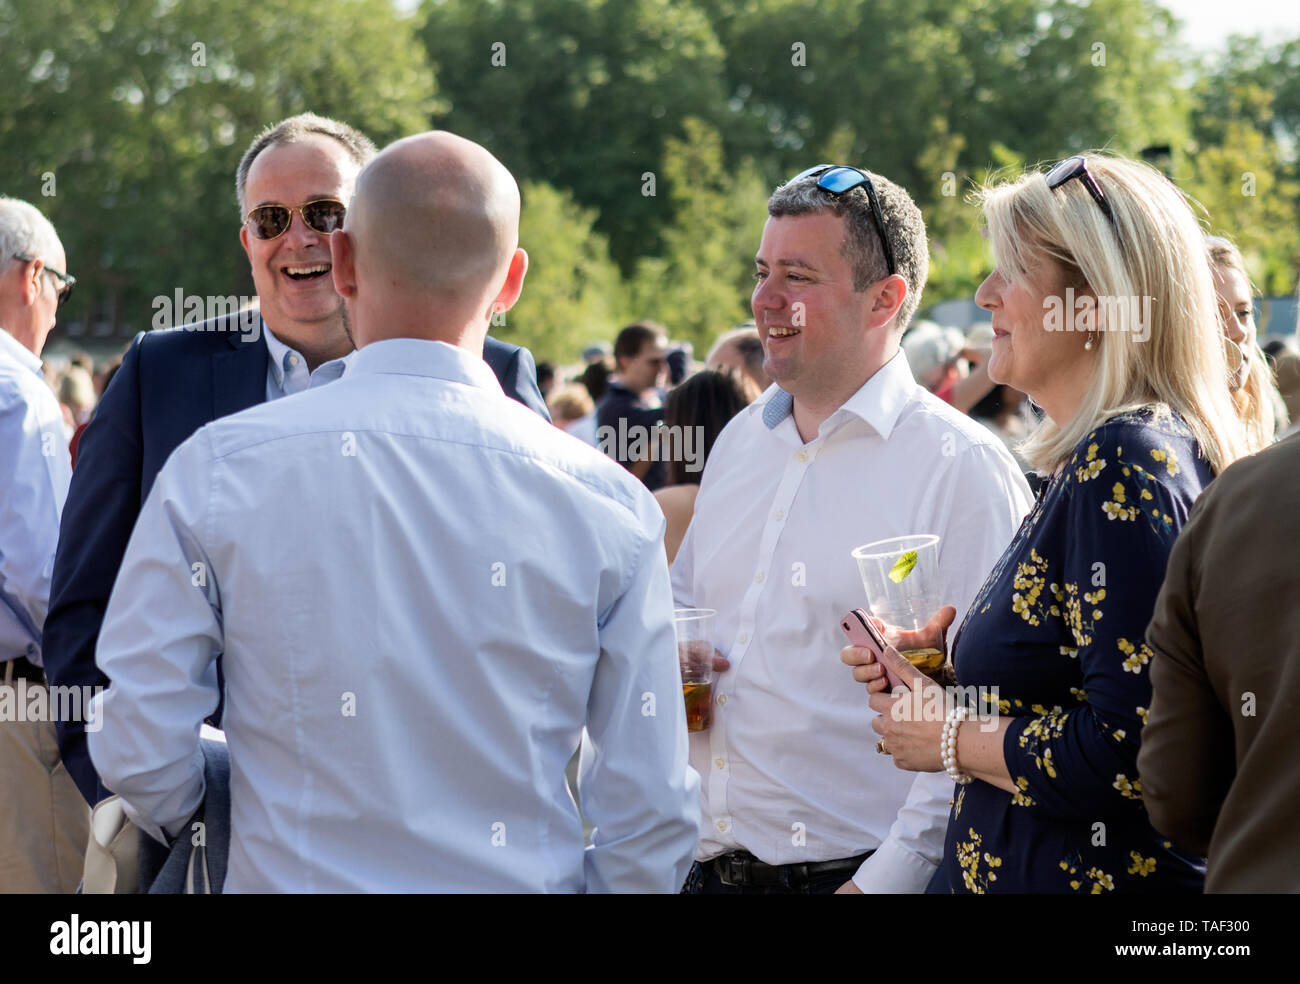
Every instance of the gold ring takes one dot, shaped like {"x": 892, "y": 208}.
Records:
{"x": 880, "y": 747}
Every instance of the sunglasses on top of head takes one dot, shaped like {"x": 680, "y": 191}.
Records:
{"x": 323, "y": 215}
{"x": 837, "y": 179}
{"x": 1077, "y": 167}
{"x": 66, "y": 281}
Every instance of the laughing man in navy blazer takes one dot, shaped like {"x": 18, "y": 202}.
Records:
{"x": 293, "y": 185}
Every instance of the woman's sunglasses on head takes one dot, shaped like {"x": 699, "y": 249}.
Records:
{"x": 323, "y": 215}
{"x": 1077, "y": 167}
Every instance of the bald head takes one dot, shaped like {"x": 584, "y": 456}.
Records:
{"x": 438, "y": 213}
{"x": 434, "y": 225}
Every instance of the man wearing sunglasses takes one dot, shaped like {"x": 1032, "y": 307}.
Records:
{"x": 469, "y": 664}
{"x": 845, "y": 450}
{"x": 292, "y": 184}
{"x": 43, "y": 821}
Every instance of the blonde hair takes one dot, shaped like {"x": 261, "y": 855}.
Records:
{"x": 1154, "y": 250}
{"x": 1258, "y": 403}
{"x": 573, "y": 402}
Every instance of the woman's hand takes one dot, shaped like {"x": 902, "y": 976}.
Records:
{"x": 910, "y": 720}
{"x": 867, "y": 669}
{"x": 911, "y": 724}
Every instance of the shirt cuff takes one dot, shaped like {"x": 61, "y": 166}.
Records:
{"x": 147, "y": 825}
{"x": 894, "y": 870}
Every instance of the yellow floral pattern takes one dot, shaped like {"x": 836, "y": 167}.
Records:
{"x": 1128, "y": 788}
{"x": 1141, "y": 866}
{"x": 1058, "y": 627}
{"x": 1135, "y": 657}
{"x": 969, "y": 858}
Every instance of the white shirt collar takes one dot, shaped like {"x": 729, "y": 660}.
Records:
{"x": 279, "y": 351}
{"x": 19, "y": 352}
{"x": 878, "y": 402}
{"x": 422, "y": 357}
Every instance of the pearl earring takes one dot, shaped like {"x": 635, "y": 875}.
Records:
{"x": 1087, "y": 346}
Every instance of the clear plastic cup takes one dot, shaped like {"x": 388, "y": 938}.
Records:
{"x": 694, "y": 628}
{"x": 901, "y": 578}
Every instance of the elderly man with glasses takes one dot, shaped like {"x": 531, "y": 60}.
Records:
{"x": 43, "y": 822}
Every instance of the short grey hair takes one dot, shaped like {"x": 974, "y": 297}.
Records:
{"x": 862, "y": 246}
{"x": 24, "y": 230}
{"x": 359, "y": 147}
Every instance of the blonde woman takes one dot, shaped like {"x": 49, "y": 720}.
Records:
{"x": 1253, "y": 386}
{"x": 1137, "y": 422}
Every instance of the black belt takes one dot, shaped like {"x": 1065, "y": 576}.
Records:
{"x": 22, "y": 669}
{"x": 743, "y": 869}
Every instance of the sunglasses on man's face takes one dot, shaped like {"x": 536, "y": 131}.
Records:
{"x": 1077, "y": 167}
{"x": 323, "y": 215}
{"x": 839, "y": 179}
{"x": 66, "y": 281}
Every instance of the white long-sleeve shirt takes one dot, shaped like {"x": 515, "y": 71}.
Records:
{"x": 789, "y": 770}
{"x": 35, "y": 470}
{"x": 422, "y": 593}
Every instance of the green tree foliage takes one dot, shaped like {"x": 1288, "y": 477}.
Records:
{"x": 572, "y": 293}
{"x": 700, "y": 287}
{"x": 1241, "y": 162}
{"x": 141, "y": 109}
{"x": 582, "y": 94}
{"x": 646, "y": 133}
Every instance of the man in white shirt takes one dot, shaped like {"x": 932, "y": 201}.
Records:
{"x": 422, "y": 592}
{"x": 43, "y": 822}
{"x": 843, "y": 450}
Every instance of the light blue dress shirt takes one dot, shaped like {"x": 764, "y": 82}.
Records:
{"x": 286, "y": 369}
{"x": 34, "y": 474}
{"x": 423, "y": 592}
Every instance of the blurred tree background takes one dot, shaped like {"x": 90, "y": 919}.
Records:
{"x": 646, "y": 134}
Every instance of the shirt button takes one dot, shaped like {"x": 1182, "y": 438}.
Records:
{"x": 802, "y": 455}
{"x": 721, "y": 825}
{"x": 759, "y": 577}
{"x": 722, "y": 698}
{"x": 720, "y": 763}
{"x": 744, "y": 638}
{"x": 293, "y": 360}
{"x": 778, "y": 515}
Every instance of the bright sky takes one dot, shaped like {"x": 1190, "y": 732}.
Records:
{"x": 1206, "y": 23}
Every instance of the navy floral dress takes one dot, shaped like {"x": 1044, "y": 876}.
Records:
{"x": 1058, "y": 628}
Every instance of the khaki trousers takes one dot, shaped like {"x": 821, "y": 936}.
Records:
{"x": 44, "y": 822}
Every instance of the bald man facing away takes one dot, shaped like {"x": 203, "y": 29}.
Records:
{"x": 402, "y": 696}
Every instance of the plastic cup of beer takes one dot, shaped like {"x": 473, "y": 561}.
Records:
{"x": 901, "y": 578}
{"x": 694, "y": 627}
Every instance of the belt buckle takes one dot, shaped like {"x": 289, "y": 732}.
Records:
{"x": 732, "y": 871}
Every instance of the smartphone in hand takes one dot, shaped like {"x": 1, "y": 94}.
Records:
{"x": 862, "y": 631}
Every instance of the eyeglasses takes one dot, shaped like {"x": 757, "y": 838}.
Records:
{"x": 1077, "y": 167}
{"x": 839, "y": 179}
{"x": 66, "y": 282}
{"x": 323, "y": 215}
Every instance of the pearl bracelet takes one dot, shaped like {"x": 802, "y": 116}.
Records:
{"x": 948, "y": 744}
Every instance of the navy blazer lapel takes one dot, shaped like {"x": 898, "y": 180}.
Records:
{"x": 239, "y": 374}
